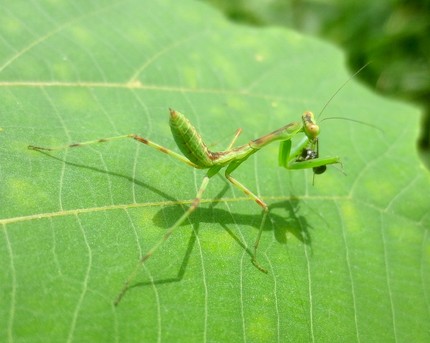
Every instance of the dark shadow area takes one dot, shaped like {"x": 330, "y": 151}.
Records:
{"x": 281, "y": 224}
{"x": 290, "y": 222}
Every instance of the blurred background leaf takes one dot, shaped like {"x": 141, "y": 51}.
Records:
{"x": 392, "y": 34}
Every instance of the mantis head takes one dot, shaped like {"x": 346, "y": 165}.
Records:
{"x": 310, "y": 127}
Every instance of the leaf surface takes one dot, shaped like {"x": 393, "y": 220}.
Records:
{"x": 348, "y": 258}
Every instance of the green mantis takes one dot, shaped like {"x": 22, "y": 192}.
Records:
{"x": 196, "y": 154}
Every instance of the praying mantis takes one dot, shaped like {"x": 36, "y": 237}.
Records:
{"x": 196, "y": 154}
{"x": 304, "y": 155}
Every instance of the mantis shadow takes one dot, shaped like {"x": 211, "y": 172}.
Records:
{"x": 288, "y": 221}
{"x": 291, "y": 222}
{"x": 281, "y": 224}
{"x": 114, "y": 174}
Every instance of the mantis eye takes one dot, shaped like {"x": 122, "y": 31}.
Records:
{"x": 313, "y": 130}
{"x": 310, "y": 128}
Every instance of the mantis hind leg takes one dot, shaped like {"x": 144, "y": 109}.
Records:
{"x": 110, "y": 139}
{"x": 232, "y": 166}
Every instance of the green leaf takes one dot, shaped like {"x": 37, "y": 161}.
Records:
{"x": 348, "y": 258}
